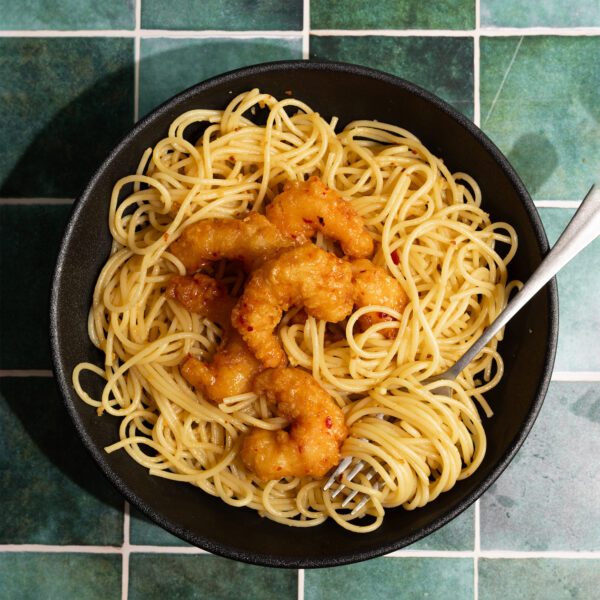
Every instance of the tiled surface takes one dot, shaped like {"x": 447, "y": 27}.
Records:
{"x": 64, "y": 103}
{"x": 391, "y": 578}
{"x": 550, "y": 477}
{"x": 445, "y": 65}
{"x": 544, "y": 13}
{"x": 59, "y": 576}
{"x": 540, "y": 102}
{"x": 65, "y": 98}
{"x": 172, "y": 65}
{"x": 538, "y": 579}
{"x": 51, "y": 491}
{"x": 67, "y": 14}
{"x": 191, "y": 577}
{"x": 391, "y": 14}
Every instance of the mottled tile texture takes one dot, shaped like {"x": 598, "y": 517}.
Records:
{"x": 145, "y": 532}
{"x": 50, "y": 490}
{"x": 540, "y": 102}
{"x": 578, "y": 299}
{"x": 547, "y": 499}
{"x": 169, "y": 65}
{"x": 64, "y": 102}
{"x": 26, "y": 265}
{"x": 392, "y": 578}
{"x": 216, "y": 14}
{"x": 444, "y": 65}
{"x": 542, "y": 13}
{"x": 538, "y": 579}
{"x": 60, "y": 576}
{"x": 391, "y": 14}
{"x": 459, "y": 534}
{"x": 181, "y": 577}
{"x": 67, "y": 14}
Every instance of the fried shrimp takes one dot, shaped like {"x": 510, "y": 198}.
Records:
{"x": 251, "y": 240}
{"x": 233, "y": 367}
{"x": 306, "y": 276}
{"x": 305, "y": 207}
{"x": 311, "y": 445}
{"x": 372, "y": 285}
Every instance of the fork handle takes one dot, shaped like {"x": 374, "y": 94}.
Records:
{"x": 583, "y": 228}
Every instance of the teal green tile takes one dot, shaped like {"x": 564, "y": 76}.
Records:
{"x": 183, "y": 577}
{"x": 33, "y": 576}
{"x": 540, "y": 103}
{"x": 459, "y": 534}
{"x": 64, "y": 102}
{"x": 392, "y": 578}
{"x": 391, "y": 14}
{"x": 538, "y": 579}
{"x": 443, "y": 66}
{"x": 145, "y": 532}
{"x": 233, "y": 15}
{"x": 578, "y": 300}
{"x": 67, "y": 14}
{"x": 51, "y": 491}
{"x": 171, "y": 65}
{"x": 547, "y": 499}
{"x": 28, "y": 247}
{"x": 543, "y": 13}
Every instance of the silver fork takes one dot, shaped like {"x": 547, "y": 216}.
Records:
{"x": 583, "y": 228}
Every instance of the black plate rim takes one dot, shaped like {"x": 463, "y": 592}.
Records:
{"x": 63, "y": 379}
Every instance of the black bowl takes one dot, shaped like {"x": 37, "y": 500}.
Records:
{"x": 528, "y": 349}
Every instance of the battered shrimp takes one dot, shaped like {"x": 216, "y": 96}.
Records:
{"x": 311, "y": 446}
{"x": 372, "y": 285}
{"x": 251, "y": 240}
{"x": 233, "y": 367}
{"x": 305, "y": 207}
{"x": 306, "y": 276}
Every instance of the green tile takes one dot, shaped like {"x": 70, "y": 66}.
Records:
{"x": 392, "y": 578}
{"x": 540, "y": 102}
{"x": 443, "y": 66}
{"x": 145, "y": 532}
{"x": 547, "y": 499}
{"x": 67, "y": 14}
{"x": 183, "y": 577}
{"x": 171, "y": 65}
{"x": 459, "y": 534}
{"x": 545, "y": 13}
{"x": 391, "y": 14}
{"x": 232, "y": 15}
{"x": 538, "y": 579}
{"x": 26, "y": 265}
{"x": 578, "y": 300}
{"x": 64, "y": 102}
{"x": 51, "y": 489}
{"x": 33, "y": 576}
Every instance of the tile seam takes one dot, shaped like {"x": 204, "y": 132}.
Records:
{"x": 136, "y": 61}
{"x": 306, "y": 29}
{"x": 300, "y": 584}
{"x": 293, "y": 34}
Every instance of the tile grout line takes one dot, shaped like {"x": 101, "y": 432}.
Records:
{"x": 300, "y": 584}
{"x": 557, "y": 203}
{"x": 134, "y": 549}
{"x": 292, "y": 34}
{"x": 306, "y": 29}
{"x": 476, "y": 67}
{"x": 136, "y": 60}
{"x": 125, "y": 555}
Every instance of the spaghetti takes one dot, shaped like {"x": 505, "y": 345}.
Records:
{"x": 430, "y": 232}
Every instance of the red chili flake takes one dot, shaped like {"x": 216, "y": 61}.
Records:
{"x": 250, "y": 328}
{"x": 395, "y": 257}
{"x": 307, "y": 221}
{"x": 321, "y": 221}
{"x": 328, "y": 422}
